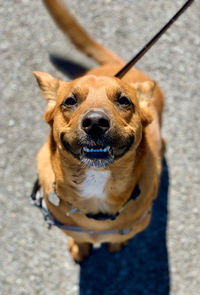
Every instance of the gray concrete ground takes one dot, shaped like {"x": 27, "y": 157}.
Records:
{"x": 36, "y": 261}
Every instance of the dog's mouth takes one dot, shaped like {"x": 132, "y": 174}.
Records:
{"x": 97, "y": 156}
{"x": 96, "y": 152}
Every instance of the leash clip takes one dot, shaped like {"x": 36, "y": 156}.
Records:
{"x": 49, "y": 224}
{"x": 45, "y": 213}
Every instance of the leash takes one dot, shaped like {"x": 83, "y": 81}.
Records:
{"x": 140, "y": 54}
{"x": 37, "y": 200}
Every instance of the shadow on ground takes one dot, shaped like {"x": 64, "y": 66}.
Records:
{"x": 68, "y": 67}
{"x": 141, "y": 268}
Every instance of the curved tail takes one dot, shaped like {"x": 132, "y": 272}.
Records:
{"x": 79, "y": 37}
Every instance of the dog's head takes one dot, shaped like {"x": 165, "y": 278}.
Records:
{"x": 96, "y": 120}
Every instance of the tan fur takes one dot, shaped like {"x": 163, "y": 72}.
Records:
{"x": 140, "y": 165}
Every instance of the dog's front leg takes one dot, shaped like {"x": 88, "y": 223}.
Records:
{"x": 115, "y": 247}
{"x": 79, "y": 251}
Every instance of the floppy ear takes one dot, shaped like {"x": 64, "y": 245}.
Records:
{"x": 144, "y": 92}
{"x": 49, "y": 86}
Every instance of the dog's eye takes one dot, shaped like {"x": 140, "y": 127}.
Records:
{"x": 70, "y": 102}
{"x": 124, "y": 101}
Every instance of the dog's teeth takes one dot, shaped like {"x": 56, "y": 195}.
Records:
{"x": 86, "y": 149}
{"x": 100, "y": 150}
{"x": 106, "y": 149}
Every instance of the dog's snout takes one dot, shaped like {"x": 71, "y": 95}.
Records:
{"x": 94, "y": 121}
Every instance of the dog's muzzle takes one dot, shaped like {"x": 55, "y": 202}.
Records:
{"x": 97, "y": 145}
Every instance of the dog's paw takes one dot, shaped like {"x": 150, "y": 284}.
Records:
{"x": 79, "y": 251}
{"x": 115, "y": 247}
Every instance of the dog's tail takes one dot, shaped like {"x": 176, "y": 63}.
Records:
{"x": 79, "y": 37}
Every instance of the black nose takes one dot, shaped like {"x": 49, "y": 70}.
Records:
{"x": 95, "y": 122}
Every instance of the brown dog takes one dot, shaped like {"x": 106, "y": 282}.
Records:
{"x": 104, "y": 147}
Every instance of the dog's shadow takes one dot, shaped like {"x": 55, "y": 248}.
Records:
{"x": 141, "y": 268}
{"x": 67, "y": 66}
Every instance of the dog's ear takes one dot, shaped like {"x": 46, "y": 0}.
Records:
{"x": 144, "y": 92}
{"x": 49, "y": 86}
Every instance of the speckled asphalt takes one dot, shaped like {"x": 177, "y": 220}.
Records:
{"x": 167, "y": 255}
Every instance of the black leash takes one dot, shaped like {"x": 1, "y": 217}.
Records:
{"x": 140, "y": 54}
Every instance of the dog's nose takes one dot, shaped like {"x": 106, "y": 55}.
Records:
{"x": 95, "y": 122}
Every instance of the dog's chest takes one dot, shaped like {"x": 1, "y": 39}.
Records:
{"x": 94, "y": 184}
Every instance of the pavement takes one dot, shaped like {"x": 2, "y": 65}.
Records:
{"x": 165, "y": 258}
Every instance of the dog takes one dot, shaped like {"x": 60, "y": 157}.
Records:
{"x": 99, "y": 170}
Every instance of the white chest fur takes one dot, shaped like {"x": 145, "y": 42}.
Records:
{"x": 94, "y": 184}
